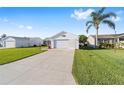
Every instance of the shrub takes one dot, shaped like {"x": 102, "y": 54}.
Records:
{"x": 82, "y": 47}
{"x": 106, "y": 45}
{"x": 34, "y": 45}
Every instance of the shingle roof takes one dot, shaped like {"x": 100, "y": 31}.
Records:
{"x": 63, "y": 32}
{"x": 108, "y": 35}
{"x": 57, "y": 35}
{"x": 46, "y": 38}
{"x": 60, "y": 33}
{"x": 35, "y": 38}
{"x": 16, "y": 37}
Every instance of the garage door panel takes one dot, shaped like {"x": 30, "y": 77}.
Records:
{"x": 61, "y": 44}
{"x": 10, "y": 44}
{"x": 64, "y": 44}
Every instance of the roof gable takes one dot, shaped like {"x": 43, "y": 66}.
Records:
{"x": 59, "y": 34}
{"x": 63, "y": 35}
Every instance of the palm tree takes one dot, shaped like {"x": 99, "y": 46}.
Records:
{"x": 100, "y": 17}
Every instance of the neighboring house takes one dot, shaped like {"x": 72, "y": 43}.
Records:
{"x": 110, "y": 38}
{"x": 36, "y": 41}
{"x": 46, "y": 41}
{"x": 64, "y": 40}
{"x": 12, "y": 42}
{"x": 0, "y": 43}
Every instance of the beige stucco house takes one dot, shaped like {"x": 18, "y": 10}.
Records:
{"x": 108, "y": 38}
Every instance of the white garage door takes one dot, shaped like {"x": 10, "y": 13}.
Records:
{"x": 10, "y": 44}
{"x": 66, "y": 44}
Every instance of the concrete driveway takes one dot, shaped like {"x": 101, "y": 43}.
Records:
{"x": 53, "y": 67}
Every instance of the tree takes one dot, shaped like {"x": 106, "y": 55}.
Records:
{"x": 82, "y": 38}
{"x": 3, "y": 35}
{"x": 98, "y": 18}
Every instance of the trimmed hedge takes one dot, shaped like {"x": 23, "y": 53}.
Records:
{"x": 106, "y": 45}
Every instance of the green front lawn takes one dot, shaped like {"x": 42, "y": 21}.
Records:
{"x": 13, "y": 54}
{"x": 104, "y": 67}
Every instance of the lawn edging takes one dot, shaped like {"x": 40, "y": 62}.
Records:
{"x": 73, "y": 73}
{"x": 23, "y": 57}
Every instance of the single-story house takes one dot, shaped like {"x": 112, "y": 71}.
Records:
{"x": 36, "y": 41}
{"x": 46, "y": 41}
{"x": 64, "y": 40}
{"x": 0, "y": 42}
{"x": 12, "y": 42}
{"x": 109, "y": 38}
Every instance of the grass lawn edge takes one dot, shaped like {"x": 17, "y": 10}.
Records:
{"x": 74, "y": 77}
{"x": 42, "y": 51}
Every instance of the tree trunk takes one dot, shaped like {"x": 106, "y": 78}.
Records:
{"x": 96, "y": 37}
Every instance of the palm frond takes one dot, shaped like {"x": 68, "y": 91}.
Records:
{"x": 109, "y": 23}
{"x": 101, "y": 10}
{"x": 88, "y": 28}
{"x": 93, "y": 14}
{"x": 108, "y": 15}
{"x": 89, "y": 22}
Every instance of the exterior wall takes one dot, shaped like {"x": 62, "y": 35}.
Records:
{"x": 106, "y": 40}
{"x": 52, "y": 43}
{"x": 91, "y": 41}
{"x": 74, "y": 44}
{"x": 22, "y": 42}
{"x": 35, "y": 42}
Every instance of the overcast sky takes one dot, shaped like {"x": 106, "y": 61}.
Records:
{"x": 45, "y": 22}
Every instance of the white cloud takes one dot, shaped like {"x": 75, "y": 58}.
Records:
{"x": 5, "y": 20}
{"x": 81, "y": 15}
{"x": 21, "y": 26}
{"x": 13, "y": 23}
{"x": 29, "y": 27}
{"x": 119, "y": 12}
{"x": 116, "y": 19}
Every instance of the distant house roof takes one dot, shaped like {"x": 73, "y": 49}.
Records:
{"x": 15, "y": 37}
{"x": 46, "y": 38}
{"x": 108, "y": 35}
{"x": 28, "y": 38}
{"x": 36, "y": 39}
